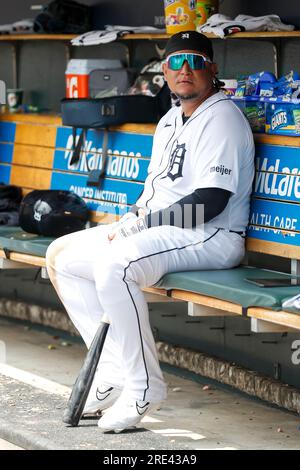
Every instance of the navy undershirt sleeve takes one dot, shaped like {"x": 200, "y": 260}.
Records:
{"x": 184, "y": 213}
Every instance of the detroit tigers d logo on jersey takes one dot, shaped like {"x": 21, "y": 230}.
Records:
{"x": 176, "y": 163}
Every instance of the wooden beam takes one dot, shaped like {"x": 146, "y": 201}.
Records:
{"x": 37, "y": 37}
{"x": 132, "y": 37}
{"x": 153, "y": 290}
{"x": 157, "y": 295}
{"x": 32, "y": 260}
{"x": 287, "y": 319}
{"x": 9, "y": 264}
{"x": 207, "y": 301}
{"x": 155, "y": 298}
{"x": 32, "y": 118}
{"x": 135, "y": 128}
{"x": 282, "y": 140}
{"x": 55, "y": 119}
{"x": 262, "y": 326}
{"x": 272, "y": 248}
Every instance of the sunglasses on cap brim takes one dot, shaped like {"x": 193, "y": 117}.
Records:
{"x": 195, "y": 61}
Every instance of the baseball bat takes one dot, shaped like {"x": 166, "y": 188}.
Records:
{"x": 85, "y": 378}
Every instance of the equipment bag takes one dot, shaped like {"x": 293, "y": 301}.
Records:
{"x": 53, "y": 213}
{"x": 110, "y": 111}
{"x": 10, "y": 198}
{"x": 63, "y": 16}
{"x": 87, "y": 113}
{"x": 110, "y": 82}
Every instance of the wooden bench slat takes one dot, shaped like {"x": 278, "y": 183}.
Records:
{"x": 207, "y": 301}
{"x": 272, "y": 248}
{"x": 32, "y": 260}
{"x": 288, "y": 319}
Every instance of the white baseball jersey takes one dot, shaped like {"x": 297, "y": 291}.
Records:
{"x": 213, "y": 149}
{"x": 92, "y": 275}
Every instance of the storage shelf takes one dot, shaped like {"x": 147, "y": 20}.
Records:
{"x": 151, "y": 37}
{"x": 36, "y": 37}
{"x": 245, "y": 35}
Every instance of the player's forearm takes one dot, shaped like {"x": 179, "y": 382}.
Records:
{"x": 185, "y": 213}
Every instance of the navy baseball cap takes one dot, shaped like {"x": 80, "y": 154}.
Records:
{"x": 190, "y": 40}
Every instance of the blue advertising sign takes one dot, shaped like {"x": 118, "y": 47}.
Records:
{"x": 6, "y": 153}
{"x": 107, "y": 207}
{"x": 269, "y": 218}
{"x": 7, "y": 131}
{"x": 277, "y": 173}
{"x": 273, "y": 235}
{"x": 121, "y": 167}
{"x": 133, "y": 145}
{"x": 4, "y": 173}
{"x": 113, "y": 191}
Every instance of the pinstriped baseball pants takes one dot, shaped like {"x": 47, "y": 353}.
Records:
{"x": 92, "y": 275}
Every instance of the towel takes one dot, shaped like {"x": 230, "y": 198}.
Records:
{"x": 222, "y": 25}
{"x": 21, "y": 27}
{"x": 111, "y": 33}
{"x": 292, "y": 302}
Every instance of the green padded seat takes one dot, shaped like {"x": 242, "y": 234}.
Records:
{"x": 15, "y": 239}
{"x": 227, "y": 284}
{"x": 230, "y": 284}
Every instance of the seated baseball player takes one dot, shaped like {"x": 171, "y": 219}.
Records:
{"x": 203, "y": 157}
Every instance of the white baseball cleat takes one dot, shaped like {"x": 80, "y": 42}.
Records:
{"x": 100, "y": 398}
{"x": 126, "y": 413}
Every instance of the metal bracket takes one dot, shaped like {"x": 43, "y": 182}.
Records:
{"x": 8, "y": 264}
{"x": 67, "y": 52}
{"x": 15, "y": 71}
{"x": 44, "y": 273}
{"x": 2, "y": 92}
{"x": 277, "y": 46}
{"x": 195, "y": 310}
{"x": 295, "y": 268}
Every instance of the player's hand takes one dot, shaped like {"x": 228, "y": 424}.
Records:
{"x": 111, "y": 236}
{"x": 128, "y": 225}
{"x": 142, "y": 213}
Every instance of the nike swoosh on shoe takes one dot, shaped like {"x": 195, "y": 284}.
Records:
{"x": 141, "y": 409}
{"x": 103, "y": 395}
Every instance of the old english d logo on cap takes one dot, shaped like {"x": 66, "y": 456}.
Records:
{"x": 191, "y": 40}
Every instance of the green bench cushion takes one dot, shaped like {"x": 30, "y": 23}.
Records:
{"x": 15, "y": 239}
{"x": 230, "y": 284}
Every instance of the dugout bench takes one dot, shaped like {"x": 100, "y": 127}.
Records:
{"x": 35, "y": 153}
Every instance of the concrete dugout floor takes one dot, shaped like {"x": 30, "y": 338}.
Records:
{"x": 197, "y": 414}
